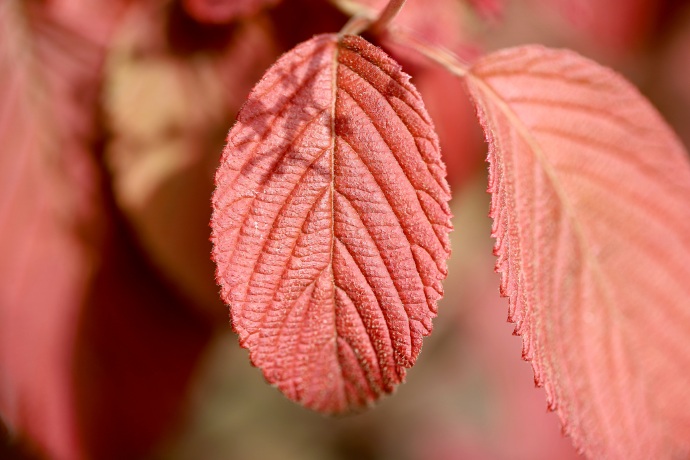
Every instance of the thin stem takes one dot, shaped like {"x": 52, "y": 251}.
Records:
{"x": 387, "y": 15}
{"x": 445, "y": 58}
{"x": 364, "y": 17}
{"x": 356, "y": 25}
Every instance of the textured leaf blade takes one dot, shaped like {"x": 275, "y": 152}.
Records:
{"x": 592, "y": 224}
{"x": 330, "y": 224}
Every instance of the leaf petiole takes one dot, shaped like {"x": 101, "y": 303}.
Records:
{"x": 366, "y": 19}
{"x": 442, "y": 56}
{"x": 356, "y": 25}
{"x": 386, "y": 17}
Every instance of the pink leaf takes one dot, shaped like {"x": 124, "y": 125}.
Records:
{"x": 95, "y": 352}
{"x": 330, "y": 224}
{"x": 49, "y": 222}
{"x": 590, "y": 201}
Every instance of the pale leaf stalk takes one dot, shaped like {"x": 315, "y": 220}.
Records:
{"x": 356, "y": 25}
{"x": 364, "y": 18}
{"x": 442, "y": 56}
{"x": 387, "y": 16}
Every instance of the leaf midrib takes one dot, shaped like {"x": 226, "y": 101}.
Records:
{"x": 552, "y": 176}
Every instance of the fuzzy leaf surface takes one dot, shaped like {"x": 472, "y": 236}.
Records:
{"x": 330, "y": 224}
{"x": 591, "y": 207}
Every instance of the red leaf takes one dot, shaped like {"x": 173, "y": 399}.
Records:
{"x": 331, "y": 223}
{"x": 591, "y": 218}
{"x": 95, "y": 354}
{"x": 49, "y": 222}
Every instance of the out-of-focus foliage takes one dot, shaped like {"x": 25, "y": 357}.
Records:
{"x": 112, "y": 341}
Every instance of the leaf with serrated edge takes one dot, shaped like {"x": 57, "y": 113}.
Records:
{"x": 330, "y": 224}
{"x": 591, "y": 207}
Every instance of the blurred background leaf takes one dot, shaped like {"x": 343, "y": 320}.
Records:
{"x": 112, "y": 341}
